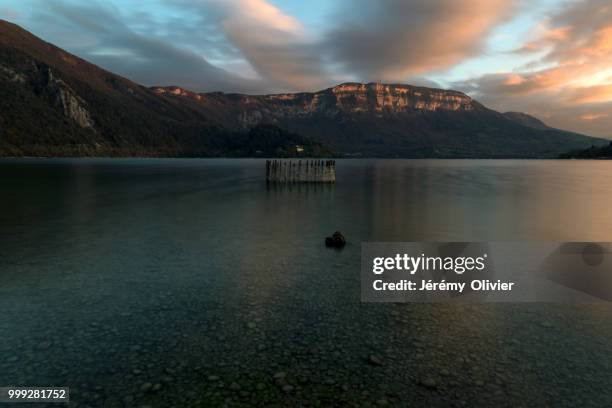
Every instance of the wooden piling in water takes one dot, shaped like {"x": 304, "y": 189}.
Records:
{"x": 301, "y": 171}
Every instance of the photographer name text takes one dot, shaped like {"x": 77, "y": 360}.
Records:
{"x": 415, "y": 264}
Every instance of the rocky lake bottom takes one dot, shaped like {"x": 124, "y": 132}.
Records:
{"x": 188, "y": 283}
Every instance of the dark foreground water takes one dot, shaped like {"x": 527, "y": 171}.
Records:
{"x": 170, "y": 283}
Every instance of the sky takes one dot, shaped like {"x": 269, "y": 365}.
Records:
{"x": 548, "y": 58}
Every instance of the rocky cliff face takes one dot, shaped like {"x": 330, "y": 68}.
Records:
{"x": 382, "y": 98}
{"x": 176, "y": 90}
{"x": 399, "y": 98}
{"x": 12, "y": 75}
{"x": 348, "y": 99}
{"x": 64, "y": 98}
{"x": 373, "y": 98}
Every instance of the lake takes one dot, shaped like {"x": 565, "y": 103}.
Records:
{"x": 189, "y": 282}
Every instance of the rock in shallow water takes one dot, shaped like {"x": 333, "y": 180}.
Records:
{"x": 337, "y": 240}
{"x": 429, "y": 383}
{"x": 375, "y": 360}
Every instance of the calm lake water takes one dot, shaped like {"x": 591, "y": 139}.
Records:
{"x": 171, "y": 282}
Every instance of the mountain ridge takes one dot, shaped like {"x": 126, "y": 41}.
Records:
{"x": 393, "y": 120}
{"x": 56, "y": 103}
{"x": 526, "y": 120}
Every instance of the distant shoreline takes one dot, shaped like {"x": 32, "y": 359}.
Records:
{"x": 301, "y": 158}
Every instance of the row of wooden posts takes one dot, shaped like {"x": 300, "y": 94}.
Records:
{"x": 301, "y": 171}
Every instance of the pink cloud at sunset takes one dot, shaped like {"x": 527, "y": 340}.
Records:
{"x": 593, "y": 116}
{"x": 570, "y": 79}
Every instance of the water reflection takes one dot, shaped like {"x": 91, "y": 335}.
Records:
{"x": 119, "y": 273}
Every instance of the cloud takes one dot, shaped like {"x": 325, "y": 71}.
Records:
{"x": 592, "y": 94}
{"x": 9, "y": 13}
{"x": 253, "y": 45}
{"x": 275, "y": 44}
{"x": 514, "y": 79}
{"x": 366, "y": 41}
{"x": 593, "y": 116}
{"x": 100, "y": 33}
{"x": 395, "y": 39}
{"x": 545, "y": 38}
{"x": 571, "y": 80}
